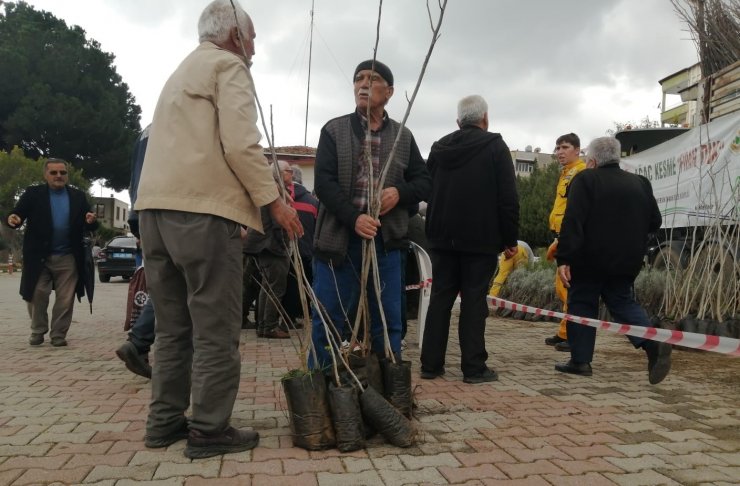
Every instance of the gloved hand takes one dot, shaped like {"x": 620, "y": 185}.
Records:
{"x": 551, "y": 250}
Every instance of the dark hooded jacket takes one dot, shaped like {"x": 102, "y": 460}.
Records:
{"x": 474, "y": 206}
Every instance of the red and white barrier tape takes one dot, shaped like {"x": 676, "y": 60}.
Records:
{"x": 421, "y": 285}
{"x": 718, "y": 344}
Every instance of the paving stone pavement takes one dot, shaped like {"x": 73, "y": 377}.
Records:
{"x": 75, "y": 415}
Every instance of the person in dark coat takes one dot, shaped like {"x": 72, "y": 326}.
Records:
{"x": 307, "y": 207}
{"x": 472, "y": 215}
{"x": 135, "y": 351}
{"x": 56, "y": 217}
{"x": 603, "y": 241}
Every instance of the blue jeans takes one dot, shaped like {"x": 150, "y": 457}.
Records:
{"x": 338, "y": 291}
{"x": 141, "y": 333}
{"x": 583, "y": 300}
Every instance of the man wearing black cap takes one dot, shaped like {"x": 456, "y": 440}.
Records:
{"x": 343, "y": 178}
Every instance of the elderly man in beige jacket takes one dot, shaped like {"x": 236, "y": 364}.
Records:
{"x": 204, "y": 175}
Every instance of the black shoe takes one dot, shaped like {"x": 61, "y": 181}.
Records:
{"x": 552, "y": 341}
{"x": 430, "y": 375}
{"x": 36, "y": 339}
{"x": 659, "y": 361}
{"x": 563, "y": 346}
{"x": 202, "y": 445}
{"x": 157, "y": 442}
{"x": 58, "y": 342}
{"x": 482, "y": 377}
{"x": 135, "y": 362}
{"x": 583, "y": 369}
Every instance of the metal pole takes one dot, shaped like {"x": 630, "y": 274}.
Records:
{"x": 308, "y": 88}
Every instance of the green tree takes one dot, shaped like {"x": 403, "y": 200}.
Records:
{"x": 60, "y": 96}
{"x": 536, "y": 196}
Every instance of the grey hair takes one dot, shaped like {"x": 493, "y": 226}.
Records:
{"x": 52, "y": 160}
{"x": 297, "y": 174}
{"x": 217, "y": 20}
{"x": 470, "y": 110}
{"x": 604, "y": 150}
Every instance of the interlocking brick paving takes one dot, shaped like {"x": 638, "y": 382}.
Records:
{"x": 75, "y": 415}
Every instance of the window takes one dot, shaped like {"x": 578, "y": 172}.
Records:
{"x": 118, "y": 213}
{"x": 100, "y": 210}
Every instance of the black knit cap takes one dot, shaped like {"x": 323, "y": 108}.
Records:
{"x": 380, "y": 68}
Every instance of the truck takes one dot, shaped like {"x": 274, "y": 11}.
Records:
{"x": 694, "y": 171}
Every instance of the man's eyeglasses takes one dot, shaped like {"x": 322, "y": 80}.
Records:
{"x": 58, "y": 172}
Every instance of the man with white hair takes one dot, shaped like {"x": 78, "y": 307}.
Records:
{"x": 602, "y": 243}
{"x": 472, "y": 215}
{"x": 204, "y": 175}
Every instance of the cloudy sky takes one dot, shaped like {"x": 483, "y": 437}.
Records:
{"x": 546, "y": 67}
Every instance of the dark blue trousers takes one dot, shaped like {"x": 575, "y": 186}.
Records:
{"x": 141, "y": 333}
{"x": 618, "y": 294}
{"x": 337, "y": 288}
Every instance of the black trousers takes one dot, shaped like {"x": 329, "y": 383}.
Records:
{"x": 467, "y": 274}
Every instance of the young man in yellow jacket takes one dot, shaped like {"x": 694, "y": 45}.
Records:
{"x": 567, "y": 150}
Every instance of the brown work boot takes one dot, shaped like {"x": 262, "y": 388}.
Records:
{"x": 202, "y": 445}
{"x": 276, "y": 333}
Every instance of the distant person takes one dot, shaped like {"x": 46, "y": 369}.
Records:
{"x": 602, "y": 243}
{"x": 135, "y": 351}
{"x": 204, "y": 175}
{"x": 343, "y": 181}
{"x": 271, "y": 251}
{"x": 56, "y": 216}
{"x": 567, "y": 150}
{"x": 307, "y": 207}
{"x": 297, "y": 174}
{"x": 507, "y": 264}
{"x": 472, "y": 215}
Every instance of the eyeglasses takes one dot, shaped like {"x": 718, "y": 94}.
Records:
{"x": 58, "y": 172}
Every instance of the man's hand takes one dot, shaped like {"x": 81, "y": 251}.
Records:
{"x": 564, "y": 274}
{"x": 90, "y": 218}
{"x": 388, "y": 199}
{"x": 510, "y": 252}
{"x": 551, "y": 250}
{"x": 366, "y": 227}
{"x": 14, "y": 220}
{"x": 286, "y": 217}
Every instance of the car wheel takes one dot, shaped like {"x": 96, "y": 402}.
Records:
{"x": 103, "y": 277}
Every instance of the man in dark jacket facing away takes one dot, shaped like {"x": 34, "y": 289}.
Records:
{"x": 56, "y": 216}
{"x": 602, "y": 243}
{"x": 473, "y": 214}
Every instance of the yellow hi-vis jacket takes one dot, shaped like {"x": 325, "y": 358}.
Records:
{"x": 567, "y": 173}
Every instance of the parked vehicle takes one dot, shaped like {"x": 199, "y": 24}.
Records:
{"x": 117, "y": 258}
{"x": 695, "y": 173}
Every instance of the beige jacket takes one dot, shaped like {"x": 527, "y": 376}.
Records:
{"x": 203, "y": 154}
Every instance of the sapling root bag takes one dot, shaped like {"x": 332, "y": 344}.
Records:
{"x": 346, "y": 417}
{"x": 367, "y": 369}
{"x": 386, "y": 419}
{"x": 309, "y": 414}
{"x": 397, "y": 385}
